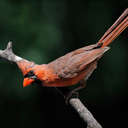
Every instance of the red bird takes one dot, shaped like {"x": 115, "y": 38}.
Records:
{"x": 74, "y": 67}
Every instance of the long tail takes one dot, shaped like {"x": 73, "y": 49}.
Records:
{"x": 115, "y": 30}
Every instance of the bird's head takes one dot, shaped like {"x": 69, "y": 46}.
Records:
{"x": 32, "y": 72}
{"x": 29, "y": 78}
{"x": 29, "y": 72}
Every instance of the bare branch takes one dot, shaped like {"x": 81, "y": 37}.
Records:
{"x": 9, "y": 46}
{"x": 84, "y": 113}
{"x": 8, "y": 54}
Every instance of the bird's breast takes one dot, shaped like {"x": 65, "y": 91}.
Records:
{"x": 65, "y": 82}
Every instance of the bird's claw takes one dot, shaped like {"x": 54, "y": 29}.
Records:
{"x": 72, "y": 94}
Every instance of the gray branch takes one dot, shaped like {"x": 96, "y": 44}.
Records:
{"x": 83, "y": 112}
{"x": 8, "y": 54}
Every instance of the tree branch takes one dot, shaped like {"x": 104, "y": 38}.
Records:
{"x": 83, "y": 112}
{"x": 8, "y": 54}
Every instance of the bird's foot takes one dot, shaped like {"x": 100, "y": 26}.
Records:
{"x": 72, "y": 94}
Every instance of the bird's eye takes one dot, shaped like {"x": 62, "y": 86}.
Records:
{"x": 29, "y": 74}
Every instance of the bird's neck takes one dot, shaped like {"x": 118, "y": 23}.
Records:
{"x": 44, "y": 73}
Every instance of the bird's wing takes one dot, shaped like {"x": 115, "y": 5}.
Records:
{"x": 71, "y": 64}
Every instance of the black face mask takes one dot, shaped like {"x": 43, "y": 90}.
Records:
{"x": 30, "y": 74}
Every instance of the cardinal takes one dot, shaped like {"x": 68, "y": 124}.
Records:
{"x": 74, "y": 67}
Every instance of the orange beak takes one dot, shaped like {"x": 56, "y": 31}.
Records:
{"x": 27, "y": 81}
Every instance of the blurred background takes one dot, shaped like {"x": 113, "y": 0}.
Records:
{"x": 44, "y": 30}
